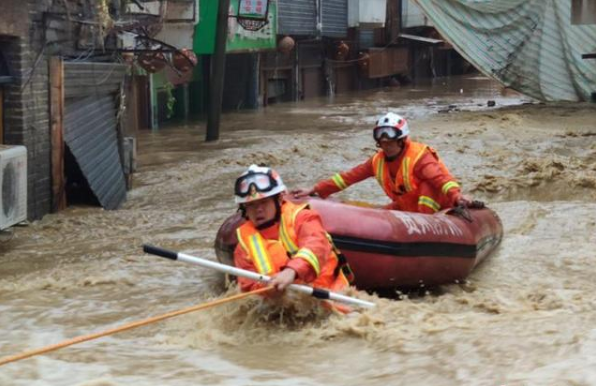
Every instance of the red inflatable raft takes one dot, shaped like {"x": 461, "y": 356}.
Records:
{"x": 389, "y": 249}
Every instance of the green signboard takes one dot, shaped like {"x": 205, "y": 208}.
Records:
{"x": 239, "y": 39}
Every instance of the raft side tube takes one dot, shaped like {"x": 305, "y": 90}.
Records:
{"x": 391, "y": 249}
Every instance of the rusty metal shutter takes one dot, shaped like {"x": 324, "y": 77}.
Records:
{"x": 297, "y": 17}
{"x": 335, "y": 18}
{"x": 90, "y": 127}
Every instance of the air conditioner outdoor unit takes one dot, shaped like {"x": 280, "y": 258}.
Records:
{"x": 13, "y": 182}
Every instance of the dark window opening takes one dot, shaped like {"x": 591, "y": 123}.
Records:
{"x": 5, "y": 76}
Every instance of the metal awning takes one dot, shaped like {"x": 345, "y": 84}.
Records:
{"x": 528, "y": 45}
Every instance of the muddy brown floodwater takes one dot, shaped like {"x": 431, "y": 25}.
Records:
{"x": 526, "y": 316}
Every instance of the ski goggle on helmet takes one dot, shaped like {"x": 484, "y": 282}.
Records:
{"x": 256, "y": 183}
{"x": 392, "y": 126}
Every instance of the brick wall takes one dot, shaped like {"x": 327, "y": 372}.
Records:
{"x": 26, "y": 110}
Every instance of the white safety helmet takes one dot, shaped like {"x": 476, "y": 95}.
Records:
{"x": 256, "y": 183}
{"x": 391, "y": 125}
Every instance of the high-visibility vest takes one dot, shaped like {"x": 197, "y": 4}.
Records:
{"x": 269, "y": 256}
{"x": 403, "y": 188}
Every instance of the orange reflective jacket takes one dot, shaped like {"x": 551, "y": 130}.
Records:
{"x": 270, "y": 256}
{"x": 403, "y": 189}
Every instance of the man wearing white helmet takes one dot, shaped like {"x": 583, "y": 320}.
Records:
{"x": 281, "y": 239}
{"x": 410, "y": 173}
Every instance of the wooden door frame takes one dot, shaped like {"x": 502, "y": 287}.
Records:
{"x": 57, "y": 133}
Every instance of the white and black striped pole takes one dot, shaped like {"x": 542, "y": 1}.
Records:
{"x": 318, "y": 293}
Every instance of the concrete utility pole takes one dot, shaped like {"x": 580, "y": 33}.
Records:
{"x": 218, "y": 64}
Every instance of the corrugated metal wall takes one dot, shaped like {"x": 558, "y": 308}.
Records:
{"x": 90, "y": 134}
{"x": 82, "y": 79}
{"x": 90, "y": 127}
{"x": 335, "y": 18}
{"x": 297, "y": 17}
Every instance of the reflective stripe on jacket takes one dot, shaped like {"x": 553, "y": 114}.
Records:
{"x": 270, "y": 256}
{"x": 403, "y": 188}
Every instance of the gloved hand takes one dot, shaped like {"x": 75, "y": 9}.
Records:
{"x": 300, "y": 193}
{"x": 477, "y": 204}
{"x": 467, "y": 202}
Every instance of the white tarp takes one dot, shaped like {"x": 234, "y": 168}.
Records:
{"x": 527, "y": 45}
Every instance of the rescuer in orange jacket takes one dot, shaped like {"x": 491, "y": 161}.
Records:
{"x": 410, "y": 173}
{"x": 283, "y": 240}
